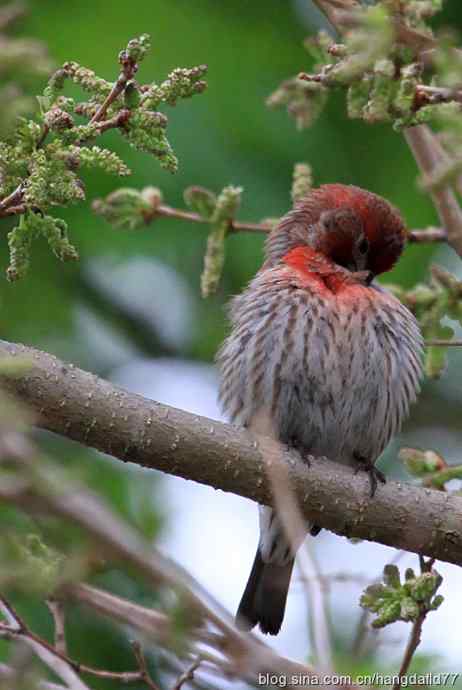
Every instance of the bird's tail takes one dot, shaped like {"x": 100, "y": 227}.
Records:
{"x": 265, "y": 596}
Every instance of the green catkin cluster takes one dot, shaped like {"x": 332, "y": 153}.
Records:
{"x": 377, "y": 66}
{"x": 226, "y": 207}
{"x": 181, "y": 83}
{"x": 127, "y": 208}
{"x": 96, "y": 157}
{"x": 303, "y": 100}
{"x": 32, "y": 225}
{"x": 302, "y": 181}
{"x": 40, "y": 165}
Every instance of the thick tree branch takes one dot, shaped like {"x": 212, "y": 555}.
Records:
{"x": 85, "y": 408}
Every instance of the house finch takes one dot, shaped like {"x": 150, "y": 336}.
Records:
{"x": 319, "y": 357}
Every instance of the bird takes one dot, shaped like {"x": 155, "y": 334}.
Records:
{"x": 320, "y": 357}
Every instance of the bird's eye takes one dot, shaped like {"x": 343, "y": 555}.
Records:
{"x": 364, "y": 246}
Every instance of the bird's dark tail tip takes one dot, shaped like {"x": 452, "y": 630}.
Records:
{"x": 265, "y": 596}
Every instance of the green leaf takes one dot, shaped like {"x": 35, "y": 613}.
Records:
{"x": 200, "y": 200}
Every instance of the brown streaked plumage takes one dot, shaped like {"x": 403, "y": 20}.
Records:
{"x": 319, "y": 356}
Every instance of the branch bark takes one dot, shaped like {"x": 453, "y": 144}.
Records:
{"x": 16, "y": 629}
{"x": 431, "y": 234}
{"x": 428, "y": 153}
{"x": 87, "y": 409}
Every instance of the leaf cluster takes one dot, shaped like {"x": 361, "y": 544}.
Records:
{"x": 394, "y": 601}
{"x": 41, "y": 163}
{"x": 432, "y": 304}
{"x": 379, "y": 64}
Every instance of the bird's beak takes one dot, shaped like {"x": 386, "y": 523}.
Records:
{"x": 365, "y": 277}
{"x": 369, "y": 278}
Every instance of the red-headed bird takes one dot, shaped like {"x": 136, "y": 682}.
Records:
{"x": 319, "y": 357}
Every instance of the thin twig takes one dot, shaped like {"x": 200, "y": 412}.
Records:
{"x": 416, "y": 632}
{"x": 170, "y": 212}
{"x": 319, "y": 613}
{"x": 56, "y": 607}
{"x": 143, "y": 667}
{"x": 152, "y": 624}
{"x": 12, "y": 198}
{"x": 362, "y": 629}
{"x": 336, "y": 11}
{"x": 327, "y": 580}
{"x": 129, "y": 69}
{"x": 443, "y": 343}
{"x": 188, "y": 674}
{"x": 430, "y": 234}
{"x": 413, "y": 643}
{"x": 242, "y": 655}
{"x": 11, "y": 615}
{"x": 13, "y": 210}
{"x": 17, "y": 627}
{"x": 428, "y": 153}
{"x": 119, "y": 120}
{"x": 149, "y": 622}
{"x": 437, "y": 94}
{"x": 46, "y": 653}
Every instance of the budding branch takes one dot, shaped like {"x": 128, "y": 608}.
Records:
{"x": 83, "y": 407}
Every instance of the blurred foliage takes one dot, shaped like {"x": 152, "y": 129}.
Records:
{"x": 24, "y": 63}
{"x": 439, "y": 299}
{"x": 430, "y": 467}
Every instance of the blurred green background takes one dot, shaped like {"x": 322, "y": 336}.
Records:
{"x": 114, "y": 305}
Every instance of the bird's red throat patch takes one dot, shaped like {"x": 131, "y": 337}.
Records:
{"x": 317, "y": 271}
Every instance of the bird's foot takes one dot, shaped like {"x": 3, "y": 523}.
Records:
{"x": 375, "y": 475}
{"x": 305, "y": 456}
